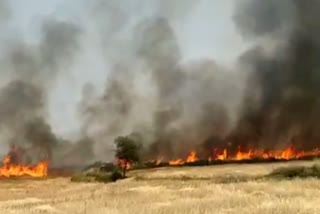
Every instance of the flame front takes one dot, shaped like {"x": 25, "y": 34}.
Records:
{"x": 15, "y": 170}
{"x": 192, "y": 157}
{"x": 289, "y": 153}
{"x": 222, "y": 156}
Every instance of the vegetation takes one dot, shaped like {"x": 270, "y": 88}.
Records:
{"x": 127, "y": 152}
{"x": 97, "y": 176}
{"x": 103, "y": 177}
{"x": 296, "y": 172}
{"x": 115, "y": 175}
{"x": 187, "y": 190}
{"x": 81, "y": 177}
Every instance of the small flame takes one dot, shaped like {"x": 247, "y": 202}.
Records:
{"x": 176, "y": 162}
{"x": 15, "y": 170}
{"x": 159, "y": 161}
{"x": 223, "y": 156}
{"x": 288, "y": 153}
{"x": 6, "y": 160}
{"x": 124, "y": 164}
{"x": 192, "y": 157}
{"x": 243, "y": 155}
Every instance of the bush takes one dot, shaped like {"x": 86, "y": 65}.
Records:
{"x": 109, "y": 177}
{"x": 116, "y": 175}
{"x": 97, "y": 176}
{"x": 296, "y": 172}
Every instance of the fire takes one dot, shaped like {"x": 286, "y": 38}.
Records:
{"x": 223, "y": 156}
{"x": 159, "y": 161}
{"x": 15, "y": 170}
{"x": 192, "y": 157}
{"x": 289, "y": 153}
{"x": 177, "y": 162}
{"x": 124, "y": 163}
{"x": 243, "y": 155}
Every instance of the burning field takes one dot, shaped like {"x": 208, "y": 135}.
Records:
{"x": 182, "y": 111}
{"x": 161, "y": 90}
{"x": 253, "y": 155}
{"x": 17, "y": 170}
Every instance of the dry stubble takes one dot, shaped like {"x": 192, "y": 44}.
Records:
{"x": 190, "y": 190}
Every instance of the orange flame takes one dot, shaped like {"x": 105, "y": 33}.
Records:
{"x": 243, "y": 155}
{"x": 124, "y": 163}
{"x": 176, "y": 162}
{"x": 15, "y": 170}
{"x": 288, "y": 153}
{"x": 223, "y": 156}
{"x": 192, "y": 157}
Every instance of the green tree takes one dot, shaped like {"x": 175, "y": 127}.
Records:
{"x": 127, "y": 152}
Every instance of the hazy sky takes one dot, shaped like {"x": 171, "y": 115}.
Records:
{"x": 207, "y": 32}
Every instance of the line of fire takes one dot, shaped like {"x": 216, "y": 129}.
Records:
{"x": 10, "y": 168}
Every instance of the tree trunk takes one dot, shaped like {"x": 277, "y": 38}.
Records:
{"x": 124, "y": 169}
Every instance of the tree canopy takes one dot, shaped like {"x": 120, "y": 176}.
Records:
{"x": 127, "y": 150}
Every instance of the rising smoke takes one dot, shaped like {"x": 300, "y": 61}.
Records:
{"x": 172, "y": 105}
{"x": 282, "y": 103}
{"x": 181, "y": 103}
{"x": 31, "y": 71}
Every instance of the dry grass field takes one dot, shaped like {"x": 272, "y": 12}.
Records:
{"x": 225, "y": 189}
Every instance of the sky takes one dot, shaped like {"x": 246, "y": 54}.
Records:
{"x": 206, "y": 32}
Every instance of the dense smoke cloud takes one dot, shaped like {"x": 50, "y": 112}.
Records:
{"x": 255, "y": 18}
{"x": 185, "y": 104}
{"x": 282, "y": 103}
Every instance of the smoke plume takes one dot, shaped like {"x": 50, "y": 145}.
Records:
{"x": 182, "y": 103}
{"x": 30, "y": 73}
{"x": 282, "y": 102}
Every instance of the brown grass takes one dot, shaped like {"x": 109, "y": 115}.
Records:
{"x": 189, "y": 190}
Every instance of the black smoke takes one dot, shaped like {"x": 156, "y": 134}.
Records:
{"x": 282, "y": 103}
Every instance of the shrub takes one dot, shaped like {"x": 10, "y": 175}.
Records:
{"x": 97, "y": 176}
{"x": 296, "y": 172}
{"x": 116, "y": 175}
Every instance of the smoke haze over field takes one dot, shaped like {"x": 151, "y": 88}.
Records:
{"x": 181, "y": 74}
